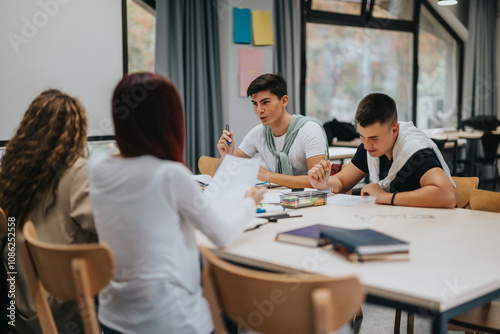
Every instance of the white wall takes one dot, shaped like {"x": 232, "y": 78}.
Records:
{"x": 72, "y": 45}
{"x": 237, "y": 111}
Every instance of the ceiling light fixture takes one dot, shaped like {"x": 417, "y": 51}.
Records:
{"x": 447, "y": 2}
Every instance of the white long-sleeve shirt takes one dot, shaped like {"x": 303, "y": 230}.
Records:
{"x": 146, "y": 210}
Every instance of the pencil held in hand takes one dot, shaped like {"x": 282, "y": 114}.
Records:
{"x": 326, "y": 159}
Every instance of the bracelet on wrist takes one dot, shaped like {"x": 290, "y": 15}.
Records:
{"x": 392, "y": 199}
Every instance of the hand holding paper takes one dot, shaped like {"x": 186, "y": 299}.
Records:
{"x": 230, "y": 184}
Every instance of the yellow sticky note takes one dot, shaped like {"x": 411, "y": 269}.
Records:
{"x": 262, "y": 28}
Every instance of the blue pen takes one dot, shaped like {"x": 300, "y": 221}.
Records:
{"x": 227, "y": 129}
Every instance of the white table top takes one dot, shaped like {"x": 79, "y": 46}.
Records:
{"x": 451, "y": 137}
{"x": 337, "y": 153}
{"x": 454, "y": 257}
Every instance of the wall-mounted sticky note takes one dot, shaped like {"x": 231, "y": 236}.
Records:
{"x": 242, "y": 26}
{"x": 262, "y": 28}
{"x": 251, "y": 66}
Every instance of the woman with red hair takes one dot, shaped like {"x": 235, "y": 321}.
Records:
{"x": 146, "y": 207}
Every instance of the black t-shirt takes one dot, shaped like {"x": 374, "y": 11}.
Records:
{"x": 408, "y": 178}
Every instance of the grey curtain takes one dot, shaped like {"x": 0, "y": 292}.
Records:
{"x": 187, "y": 52}
{"x": 287, "y": 18}
{"x": 479, "y": 90}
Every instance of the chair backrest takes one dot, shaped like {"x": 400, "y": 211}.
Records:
{"x": 490, "y": 143}
{"x": 70, "y": 272}
{"x": 485, "y": 200}
{"x": 279, "y": 303}
{"x": 464, "y": 186}
{"x": 3, "y": 222}
{"x": 206, "y": 165}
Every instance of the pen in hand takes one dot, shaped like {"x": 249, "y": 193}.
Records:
{"x": 227, "y": 129}
{"x": 326, "y": 159}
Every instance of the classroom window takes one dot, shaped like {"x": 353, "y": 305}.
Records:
{"x": 141, "y": 21}
{"x": 352, "y": 7}
{"x": 394, "y": 9}
{"x": 344, "y": 64}
{"x": 357, "y": 47}
{"x": 438, "y": 71}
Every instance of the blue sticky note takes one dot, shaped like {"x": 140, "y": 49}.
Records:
{"x": 242, "y": 28}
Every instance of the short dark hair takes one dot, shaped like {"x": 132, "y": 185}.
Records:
{"x": 376, "y": 107}
{"x": 274, "y": 82}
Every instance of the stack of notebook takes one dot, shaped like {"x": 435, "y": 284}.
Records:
{"x": 355, "y": 245}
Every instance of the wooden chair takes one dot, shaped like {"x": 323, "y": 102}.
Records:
{"x": 206, "y": 165}
{"x": 3, "y": 222}
{"x": 464, "y": 186}
{"x": 485, "y": 318}
{"x": 70, "y": 272}
{"x": 485, "y": 200}
{"x": 278, "y": 303}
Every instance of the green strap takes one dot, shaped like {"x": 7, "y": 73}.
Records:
{"x": 283, "y": 165}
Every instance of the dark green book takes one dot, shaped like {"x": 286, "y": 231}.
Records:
{"x": 364, "y": 241}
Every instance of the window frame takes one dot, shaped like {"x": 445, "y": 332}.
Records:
{"x": 366, "y": 20}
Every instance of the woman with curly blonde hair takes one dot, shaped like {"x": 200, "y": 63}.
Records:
{"x": 43, "y": 178}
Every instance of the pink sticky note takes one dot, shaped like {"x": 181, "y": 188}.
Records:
{"x": 251, "y": 66}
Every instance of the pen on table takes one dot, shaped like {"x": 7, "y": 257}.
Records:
{"x": 326, "y": 159}
{"x": 227, "y": 129}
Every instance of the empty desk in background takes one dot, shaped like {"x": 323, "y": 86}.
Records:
{"x": 451, "y": 142}
{"x": 453, "y": 266}
{"x": 471, "y": 147}
{"x": 341, "y": 153}
{"x": 353, "y": 143}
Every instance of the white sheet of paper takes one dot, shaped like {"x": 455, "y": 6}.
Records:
{"x": 231, "y": 182}
{"x": 271, "y": 198}
{"x": 347, "y": 200}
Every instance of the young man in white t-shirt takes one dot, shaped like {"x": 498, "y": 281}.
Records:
{"x": 289, "y": 146}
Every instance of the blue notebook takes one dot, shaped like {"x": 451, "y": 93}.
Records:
{"x": 242, "y": 26}
{"x": 364, "y": 241}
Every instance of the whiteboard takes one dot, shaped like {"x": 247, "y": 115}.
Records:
{"x": 71, "y": 45}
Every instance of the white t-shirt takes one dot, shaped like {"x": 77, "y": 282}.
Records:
{"x": 310, "y": 142}
{"x": 146, "y": 210}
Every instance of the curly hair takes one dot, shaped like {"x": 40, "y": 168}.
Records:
{"x": 51, "y": 137}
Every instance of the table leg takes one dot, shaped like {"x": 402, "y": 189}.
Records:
{"x": 439, "y": 324}
{"x": 455, "y": 157}
{"x": 471, "y": 148}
